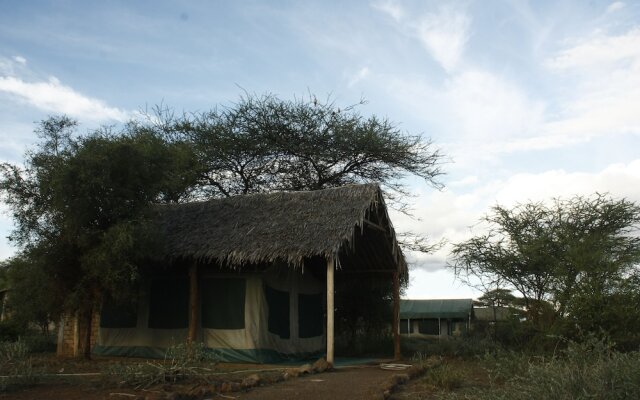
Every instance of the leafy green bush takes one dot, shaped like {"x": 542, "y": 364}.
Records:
{"x": 11, "y": 330}
{"x": 38, "y": 342}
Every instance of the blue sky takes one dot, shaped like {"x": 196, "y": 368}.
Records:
{"x": 528, "y": 100}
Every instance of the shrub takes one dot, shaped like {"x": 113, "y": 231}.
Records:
{"x": 11, "y": 330}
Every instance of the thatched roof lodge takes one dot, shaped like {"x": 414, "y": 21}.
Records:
{"x": 261, "y": 273}
{"x": 286, "y": 226}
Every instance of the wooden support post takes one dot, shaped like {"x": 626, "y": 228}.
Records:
{"x": 330, "y": 310}
{"x": 193, "y": 303}
{"x": 396, "y": 316}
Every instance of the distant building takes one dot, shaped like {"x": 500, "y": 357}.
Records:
{"x": 442, "y": 318}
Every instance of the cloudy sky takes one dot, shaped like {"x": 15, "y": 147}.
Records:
{"x": 527, "y": 100}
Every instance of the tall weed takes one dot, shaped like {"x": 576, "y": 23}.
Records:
{"x": 16, "y": 366}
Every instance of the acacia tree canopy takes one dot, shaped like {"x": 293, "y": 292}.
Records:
{"x": 263, "y": 143}
{"x": 575, "y": 254}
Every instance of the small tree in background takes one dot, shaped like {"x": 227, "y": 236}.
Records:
{"x": 574, "y": 262}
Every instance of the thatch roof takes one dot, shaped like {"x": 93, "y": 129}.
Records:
{"x": 287, "y": 226}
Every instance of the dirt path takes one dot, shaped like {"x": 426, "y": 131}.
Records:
{"x": 349, "y": 383}
{"x": 357, "y": 383}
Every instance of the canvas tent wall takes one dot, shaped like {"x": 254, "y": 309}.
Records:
{"x": 244, "y": 317}
{"x": 435, "y": 317}
{"x": 280, "y": 248}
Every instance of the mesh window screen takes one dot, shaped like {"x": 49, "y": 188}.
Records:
{"x": 169, "y": 304}
{"x": 310, "y": 317}
{"x": 278, "y": 303}
{"x": 118, "y": 315}
{"x": 223, "y": 303}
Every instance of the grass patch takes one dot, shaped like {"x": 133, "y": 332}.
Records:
{"x": 589, "y": 370}
{"x": 16, "y": 366}
{"x": 181, "y": 362}
{"x": 445, "y": 377}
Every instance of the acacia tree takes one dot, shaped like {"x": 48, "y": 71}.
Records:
{"x": 80, "y": 207}
{"x": 263, "y": 143}
{"x": 569, "y": 254}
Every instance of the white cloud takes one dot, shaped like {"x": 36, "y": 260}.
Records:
{"x": 620, "y": 180}
{"x": 466, "y": 181}
{"x": 484, "y": 105}
{"x": 362, "y": 74}
{"x": 437, "y": 285}
{"x": 603, "y": 98}
{"x": 20, "y": 59}
{"x": 444, "y": 35}
{"x": 52, "y": 96}
{"x": 598, "y": 50}
{"x": 615, "y": 6}
{"x": 391, "y": 8}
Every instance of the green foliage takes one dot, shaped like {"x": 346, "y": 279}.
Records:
{"x": 12, "y": 329}
{"x": 574, "y": 263}
{"x": 263, "y": 143}
{"x": 33, "y": 298}
{"x": 81, "y": 210}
